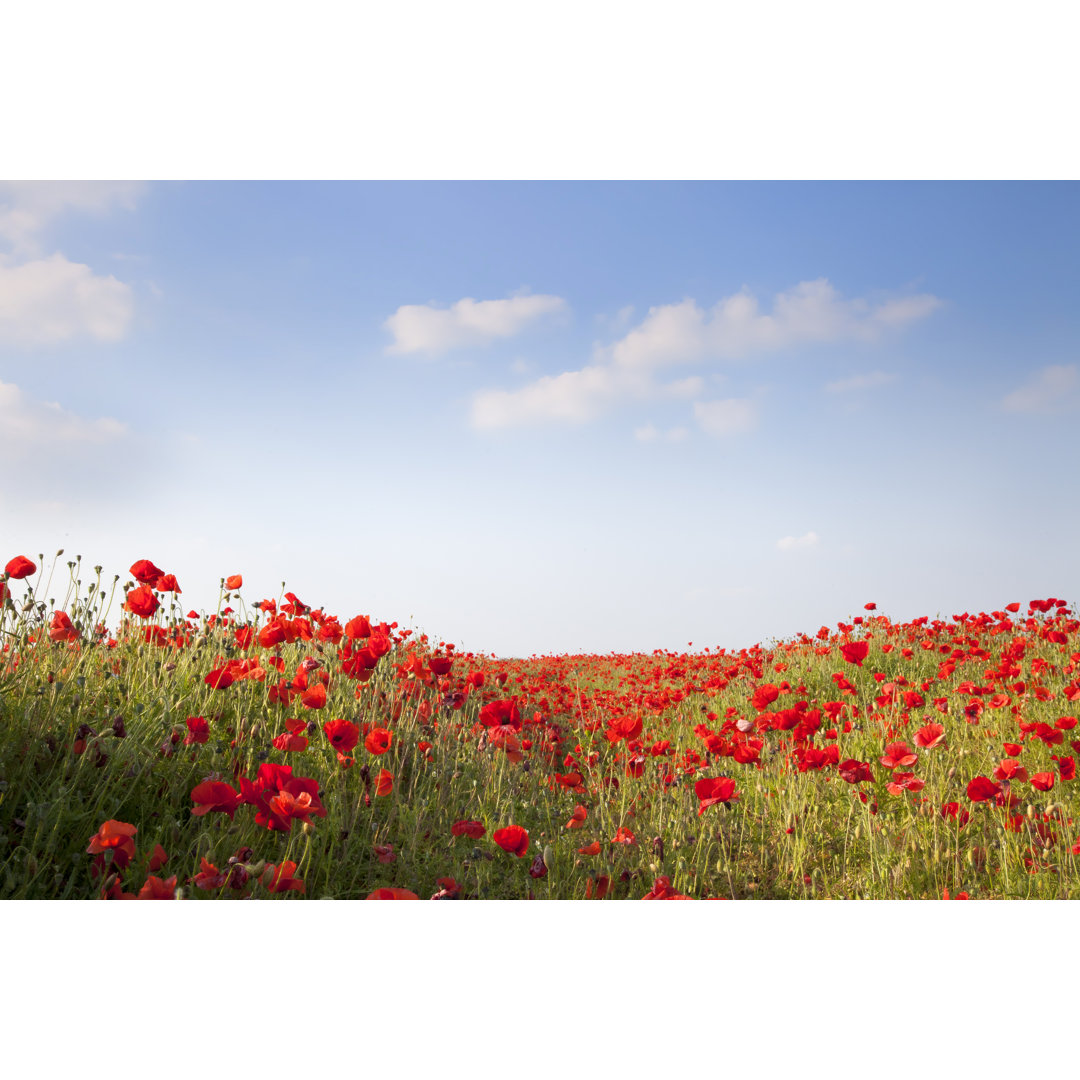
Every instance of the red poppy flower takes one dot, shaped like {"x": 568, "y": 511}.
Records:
{"x": 929, "y": 736}
{"x": 1066, "y": 767}
{"x": 448, "y": 889}
{"x": 388, "y": 893}
{"x": 982, "y": 788}
{"x": 156, "y": 889}
{"x": 764, "y": 696}
{"x": 662, "y": 890}
{"x": 142, "y": 602}
{"x": 440, "y": 665}
{"x": 385, "y": 853}
{"x": 117, "y": 837}
{"x": 384, "y": 782}
{"x": 475, "y": 829}
{"x": 208, "y": 877}
{"x": 61, "y": 628}
{"x": 234, "y": 582}
{"x": 855, "y": 772}
{"x": 855, "y": 652}
{"x": 952, "y": 810}
{"x": 590, "y": 849}
{"x": 343, "y": 734}
{"x": 1012, "y": 749}
{"x": 1043, "y": 781}
{"x": 1010, "y": 769}
{"x": 602, "y": 884}
{"x": 713, "y": 790}
{"x": 145, "y": 572}
{"x": 501, "y": 713}
{"x": 315, "y": 698}
{"x": 213, "y": 795}
{"x": 577, "y": 819}
{"x": 281, "y": 878}
{"x": 158, "y": 858}
{"x": 378, "y": 741}
{"x": 291, "y": 742}
{"x": 513, "y": 839}
{"x": 904, "y": 781}
{"x": 897, "y": 754}
{"x": 20, "y": 567}
{"x": 360, "y": 627}
{"x": 198, "y": 730}
{"x": 168, "y": 583}
{"x": 624, "y": 727}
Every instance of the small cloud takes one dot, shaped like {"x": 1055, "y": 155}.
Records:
{"x": 426, "y": 328}
{"x": 790, "y": 543}
{"x": 689, "y": 387}
{"x": 47, "y": 301}
{"x": 650, "y": 433}
{"x": 29, "y": 427}
{"x": 1053, "y": 389}
{"x": 27, "y": 207}
{"x": 728, "y": 416}
{"x": 859, "y": 382}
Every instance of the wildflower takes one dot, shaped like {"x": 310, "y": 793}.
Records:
{"x": 929, "y": 736}
{"x": 20, "y": 567}
{"x": 378, "y": 741}
{"x": 234, "y": 582}
{"x": 61, "y": 628}
{"x": 117, "y": 837}
{"x": 280, "y": 879}
{"x": 513, "y": 839}
{"x": 662, "y": 890}
{"x": 474, "y": 829}
{"x": 343, "y": 735}
{"x": 156, "y": 889}
{"x": 855, "y": 652}
{"x": 209, "y": 876}
{"x": 577, "y": 819}
{"x": 214, "y": 795}
{"x": 388, "y": 893}
{"x": 384, "y": 782}
{"x": 855, "y": 772}
{"x": 982, "y": 788}
{"x": 713, "y": 790}
{"x": 145, "y": 572}
{"x": 198, "y": 730}
{"x": 897, "y": 754}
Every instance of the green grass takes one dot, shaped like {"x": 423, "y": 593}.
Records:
{"x": 93, "y": 730}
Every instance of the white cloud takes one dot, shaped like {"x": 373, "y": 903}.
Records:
{"x": 574, "y": 395}
{"x": 47, "y": 301}
{"x": 859, "y": 382}
{"x": 789, "y": 543}
{"x": 727, "y": 416}
{"x": 683, "y": 333}
{"x": 650, "y": 433}
{"x": 812, "y": 311}
{"x": 28, "y": 427}
{"x": 27, "y": 207}
{"x": 1053, "y": 389}
{"x": 424, "y": 328}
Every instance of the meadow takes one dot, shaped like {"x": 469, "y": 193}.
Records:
{"x": 270, "y": 749}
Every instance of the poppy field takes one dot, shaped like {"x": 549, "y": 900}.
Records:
{"x": 271, "y": 749}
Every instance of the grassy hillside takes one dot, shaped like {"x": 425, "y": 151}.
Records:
{"x": 270, "y": 749}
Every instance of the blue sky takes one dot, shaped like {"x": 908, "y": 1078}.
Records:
{"x": 549, "y": 417}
